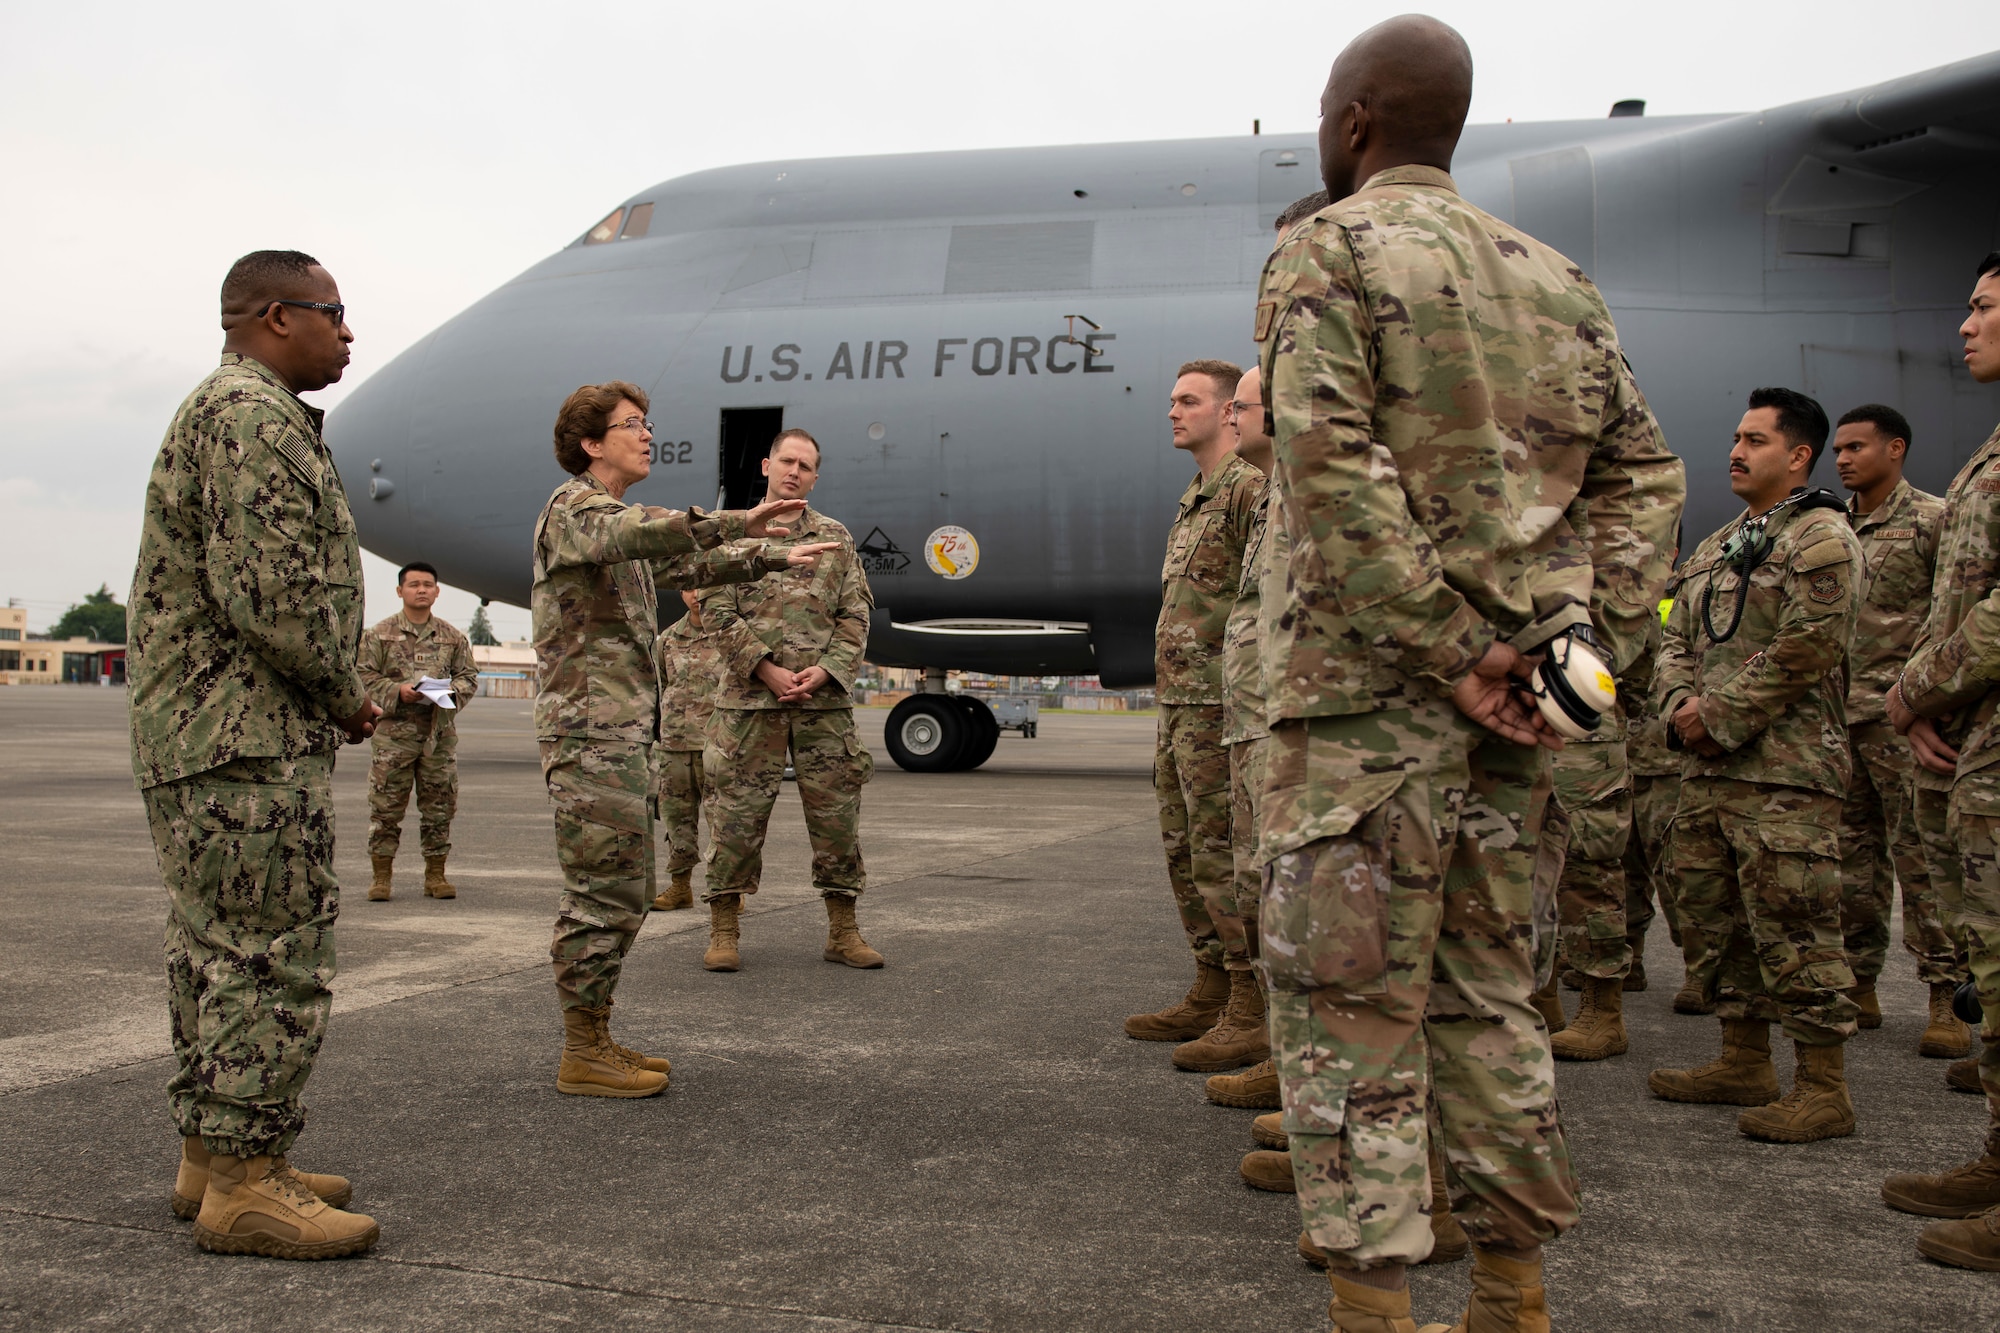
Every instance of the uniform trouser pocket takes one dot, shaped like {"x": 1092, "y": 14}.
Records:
{"x": 1325, "y": 914}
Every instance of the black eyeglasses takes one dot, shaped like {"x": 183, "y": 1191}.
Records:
{"x": 339, "y": 312}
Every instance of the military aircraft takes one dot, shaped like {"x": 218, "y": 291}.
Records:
{"x": 983, "y": 342}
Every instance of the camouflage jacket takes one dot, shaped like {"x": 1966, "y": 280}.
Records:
{"x": 1899, "y": 542}
{"x": 1242, "y": 656}
{"x": 1198, "y": 582}
{"x": 1774, "y": 694}
{"x": 1646, "y": 751}
{"x": 801, "y": 618}
{"x": 246, "y": 603}
{"x": 1461, "y": 451}
{"x": 599, "y": 563}
{"x": 1954, "y": 673}
{"x": 689, "y": 661}
{"x": 395, "y": 652}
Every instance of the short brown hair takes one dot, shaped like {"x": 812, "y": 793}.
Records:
{"x": 586, "y": 415}
{"x": 794, "y": 433}
{"x": 1226, "y": 374}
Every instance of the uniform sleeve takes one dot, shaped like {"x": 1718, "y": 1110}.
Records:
{"x": 1355, "y": 540}
{"x": 736, "y": 563}
{"x": 464, "y": 672}
{"x": 736, "y": 641}
{"x": 264, "y": 563}
{"x": 373, "y": 668}
{"x": 1959, "y": 669}
{"x": 842, "y": 658}
{"x": 1674, "y": 669}
{"x": 1627, "y": 514}
{"x": 1811, "y": 639}
{"x": 598, "y": 530}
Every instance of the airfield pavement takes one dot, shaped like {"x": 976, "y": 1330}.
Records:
{"x": 963, "y": 1140}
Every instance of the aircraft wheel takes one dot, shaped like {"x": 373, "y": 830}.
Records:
{"x": 983, "y": 735}
{"x": 927, "y": 733}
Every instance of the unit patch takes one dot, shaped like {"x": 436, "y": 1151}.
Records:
{"x": 1824, "y": 588}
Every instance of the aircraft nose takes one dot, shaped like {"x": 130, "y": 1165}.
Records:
{"x": 368, "y": 434}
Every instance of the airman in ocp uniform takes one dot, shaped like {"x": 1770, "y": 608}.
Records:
{"x": 1880, "y": 847}
{"x": 1465, "y": 472}
{"x": 245, "y": 619}
{"x": 689, "y": 659}
{"x": 1220, "y": 1021}
{"x": 790, "y": 648}
{"x": 1593, "y": 791}
{"x": 416, "y": 742}
{"x": 1752, "y": 680}
{"x": 598, "y": 564}
{"x": 1948, "y": 706}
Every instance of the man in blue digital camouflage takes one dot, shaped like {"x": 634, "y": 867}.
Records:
{"x": 1466, "y": 473}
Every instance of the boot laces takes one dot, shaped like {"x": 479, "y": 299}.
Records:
{"x": 288, "y": 1183}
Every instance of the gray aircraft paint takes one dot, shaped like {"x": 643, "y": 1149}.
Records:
{"x": 1827, "y": 245}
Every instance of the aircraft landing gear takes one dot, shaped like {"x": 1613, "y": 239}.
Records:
{"x": 941, "y": 733}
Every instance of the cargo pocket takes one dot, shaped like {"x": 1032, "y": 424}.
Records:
{"x": 242, "y": 830}
{"x": 860, "y": 762}
{"x": 1325, "y": 914}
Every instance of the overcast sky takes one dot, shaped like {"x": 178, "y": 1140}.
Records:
{"x": 427, "y": 152}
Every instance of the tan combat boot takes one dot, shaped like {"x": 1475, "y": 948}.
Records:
{"x": 1869, "y": 1003}
{"x": 1507, "y": 1297}
{"x": 679, "y": 894}
{"x": 592, "y": 1067}
{"x": 1240, "y": 1037}
{"x": 1973, "y": 1243}
{"x": 656, "y": 1063}
{"x": 385, "y": 869}
{"x": 191, "y": 1181}
{"x": 1816, "y": 1108}
{"x": 1598, "y": 1031}
{"x": 1449, "y": 1243}
{"x": 1195, "y": 1014}
{"x": 1269, "y": 1130}
{"x": 843, "y": 938}
{"x": 1963, "y": 1076}
{"x": 1549, "y": 1002}
{"x": 435, "y": 884}
{"x": 1741, "y": 1076}
{"x": 1945, "y": 1038}
{"x": 1963, "y": 1191}
{"x": 725, "y": 933}
{"x": 1255, "y": 1089}
{"x": 1692, "y": 999}
{"x": 1359, "y": 1308}
{"x": 1266, "y": 1170}
{"x": 258, "y": 1205}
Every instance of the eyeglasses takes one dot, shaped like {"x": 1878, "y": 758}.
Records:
{"x": 1240, "y": 408}
{"x": 339, "y": 312}
{"x": 631, "y": 423}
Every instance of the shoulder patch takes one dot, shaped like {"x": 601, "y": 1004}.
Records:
{"x": 300, "y": 455}
{"x": 1267, "y": 313}
{"x": 1827, "y": 550}
{"x": 1824, "y": 587}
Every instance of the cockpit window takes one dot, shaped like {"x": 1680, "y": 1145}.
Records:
{"x": 605, "y": 230}
{"x": 636, "y": 224}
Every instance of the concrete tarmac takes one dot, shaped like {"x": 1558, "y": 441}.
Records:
{"x": 962, "y": 1140}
